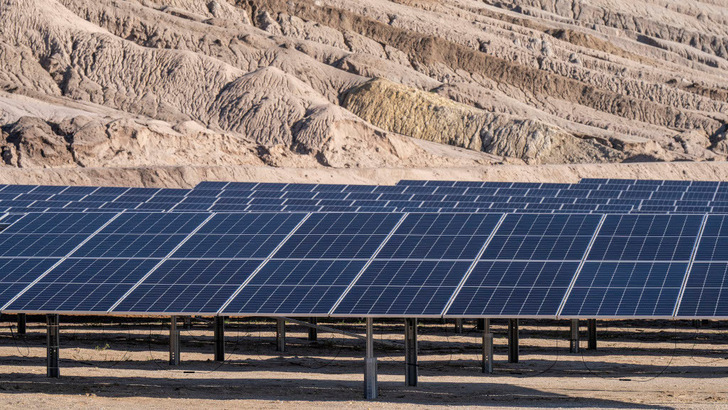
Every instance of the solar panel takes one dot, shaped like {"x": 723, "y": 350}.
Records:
{"x": 210, "y": 266}
{"x": 49, "y": 234}
{"x": 309, "y": 272}
{"x": 82, "y": 285}
{"x": 635, "y": 268}
{"x": 141, "y": 235}
{"x": 186, "y": 285}
{"x": 17, "y": 273}
{"x": 527, "y": 267}
{"x": 419, "y": 268}
{"x": 704, "y": 293}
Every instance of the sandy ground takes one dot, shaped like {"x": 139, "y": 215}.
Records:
{"x": 669, "y": 364}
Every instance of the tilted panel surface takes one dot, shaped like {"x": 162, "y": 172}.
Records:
{"x": 527, "y": 267}
{"x": 313, "y": 268}
{"x": 706, "y": 289}
{"x": 419, "y": 268}
{"x": 108, "y": 264}
{"x": 208, "y": 268}
{"x": 635, "y": 268}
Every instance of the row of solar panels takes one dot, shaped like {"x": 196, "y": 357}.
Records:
{"x": 366, "y": 264}
{"x": 598, "y": 196}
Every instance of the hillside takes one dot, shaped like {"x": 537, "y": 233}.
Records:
{"x": 116, "y": 87}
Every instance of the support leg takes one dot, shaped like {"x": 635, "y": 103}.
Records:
{"x": 188, "y": 322}
{"x": 53, "y": 342}
{"x": 312, "y": 331}
{"x": 281, "y": 335}
{"x": 574, "y": 339}
{"x": 22, "y": 321}
{"x": 410, "y": 352}
{"x": 173, "y": 342}
{"x": 370, "y": 364}
{"x": 219, "y": 338}
{"x": 592, "y": 327}
{"x": 512, "y": 340}
{"x": 458, "y": 326}
{"x": 487, "y": 347}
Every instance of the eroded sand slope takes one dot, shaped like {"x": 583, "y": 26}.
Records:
{"x": 449, "y": 84}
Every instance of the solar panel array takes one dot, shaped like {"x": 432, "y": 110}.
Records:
{"x": 589, "y": 195}
{"x": 599, "y": 248}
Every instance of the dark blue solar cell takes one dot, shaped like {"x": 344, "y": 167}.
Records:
{"x": 542, "y": 237}
{"x": 119, "y": 206}
{"x": 172, "y": 192}
{"x": 212, "y": 185}
{"x": 241, "y": 185}
{"x": 611, "y": 289}
{"x": 705, "y": 293}
{"x": 83, "y": 285}
{"x": 295, "y": 287}
{"x": 299, "y": 194}
{"x": 23, "y": 270}
{"x": 155, "y": 223}
{"x": 71, "y": 223}
{"x": 413, "y": 182}
{"x": 203, "y": 193}
{"x": 270, "y": 186}
{"x": 181, "y": 286}
{"x": 403, "y": 288}
{"x": 331, "y": 189}
{"x": 514, "y": 289}
{"x": 104, "y": 245}
{"x": 439, "y": 236}
{"x": 239, "y": 236}
{"x": 646, "y": 238}
{"x": 18, "y": 189}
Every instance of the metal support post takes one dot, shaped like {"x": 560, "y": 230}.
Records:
{"x": 370, "y": 364}
{"x": 281, "y": 335}
{"x": 173, "y": 342}
{"x": 22, "y": 321}
{"x": 53, "y": 343}
{"x": 312, "y": 331}
{"x": 591, "y": 325}
{"x": 480, "y": 324}
{"x": 574, "y": 340}
{"x": 458, "y": 326}
{"x": 188, "y": 322}
{"x": 219, "y": 337}
{"x": 410, "y": 352}
{"x": 487, "y": 347}
{"x": 512, "y": 340}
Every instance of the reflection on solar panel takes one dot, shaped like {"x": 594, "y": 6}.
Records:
{"x": 635, "y": 268}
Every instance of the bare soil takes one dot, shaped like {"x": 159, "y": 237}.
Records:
{"x": 658, "y": 364}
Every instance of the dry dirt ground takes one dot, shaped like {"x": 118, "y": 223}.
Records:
{"x": 659, "y": 364}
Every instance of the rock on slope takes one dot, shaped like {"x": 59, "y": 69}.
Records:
{"x": 343, "y": 83}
